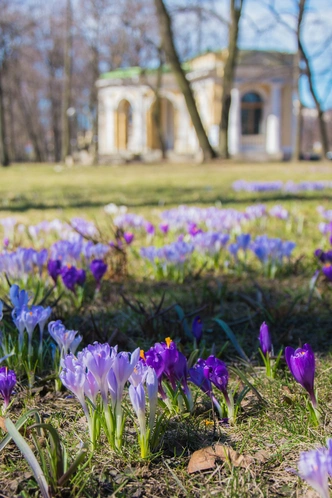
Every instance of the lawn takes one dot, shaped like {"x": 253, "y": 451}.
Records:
{"x": 140, "y": 303}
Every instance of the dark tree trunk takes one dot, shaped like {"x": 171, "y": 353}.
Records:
{"x": 4, "y": 156}
{"x": 65, "y": 142}
{"x": 94, "y": 102}
{"x": 166, "y": 33}
{"x": 313, "y": 91}
{"x": 157, "y": 113}
{"x": 228, "y": 77}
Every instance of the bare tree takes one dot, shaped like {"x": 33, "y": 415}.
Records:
{"x": 229, "y": 72}
{"x": 65, "y": 146}
{"x": 166, "y": 34}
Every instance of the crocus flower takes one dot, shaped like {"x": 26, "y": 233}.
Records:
{"x": 98, "y": 269}
{"x": 63, "y": 337}
{"x": 73, "y": 376}
{"x": 54, "y": 268}
{"x": 327, "y": 270}
{"x": 98, "y": 359}
{"x": 313, "y": 468}
{"x": 164, "y": 227}
{"x": 216, "y": 371}
{"x": 197, "y": 328}
{"x": 19, "y": 298}
{"x": 149, "y": 228}
{"x": 80, "y": 277}
{"x": 122, "y": 367}
{"x": 129, "y": 237}
{"x": 7, "y": 384}
{"x": 265, "y": 339}
{"x": 152, "y": 388}
{"x": 69, "y": 277}
{"x": 301, "y": 363}
{"x": 1, "y": 310}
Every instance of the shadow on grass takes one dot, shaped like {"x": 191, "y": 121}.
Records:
{"x": 138, "y": 320}
{"x": 156, "y": 197}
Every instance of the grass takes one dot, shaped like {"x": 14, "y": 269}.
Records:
{"x": 273, "y": 432}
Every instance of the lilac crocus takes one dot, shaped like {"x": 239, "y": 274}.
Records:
{"x": 1, "y": 310}
{"x": 54, "y": 269}
{"x": 197, "y": 328}
{"x": 122, "y": 367}
{"x": 18, "y": 297}
{"x": 301, "y": 363}
{"x": 98, "y": 359}
{"x": 313, "y": 468}
{"x": 265, "y": 339}
{"x": 7, "y": 384}
{"x": 73, "y": 377}
{"x": 152, "y": 388}
{"x": 98, "y": 269}
{"x": 64, "y": 338}
{"x": 149, "y": 228}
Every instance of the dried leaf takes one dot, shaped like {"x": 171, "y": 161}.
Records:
{"x": 205, "y": 458}
{"x": 2, "y": 424}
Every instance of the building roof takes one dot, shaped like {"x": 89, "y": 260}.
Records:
{"x": 245, "y": 57}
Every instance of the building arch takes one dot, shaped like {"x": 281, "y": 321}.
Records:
{"x": 123, "y": 125}
{"x": 252, "y": 113}
{"x": 161, "y": 121}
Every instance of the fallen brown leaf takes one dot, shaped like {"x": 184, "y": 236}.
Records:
{"x": 205, "y": 458}
{"x": 2, "y": 424}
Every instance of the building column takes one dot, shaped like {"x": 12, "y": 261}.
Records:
{"x": 234, "y": 128}
{"x": 138, "y": 139}
{"x": 273, "y": 122}
{"x": 110, "y": 129}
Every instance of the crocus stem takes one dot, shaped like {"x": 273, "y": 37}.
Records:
{"x": 109, "y": 425}
{"x": 119, "y": 425}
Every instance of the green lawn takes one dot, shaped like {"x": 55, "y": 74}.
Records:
{"x": 273, "y": 424}
{"x": 44, "y": 191}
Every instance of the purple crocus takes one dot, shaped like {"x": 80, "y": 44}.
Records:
{"x": 265, "y": 339}
{"x": 54, "y": 269}
{"x": 98, "y": 269}
{"x": 149, "y": 228}
{"x": 71, "y": 276}
{"x": 7, "y": 384}
{"x": 73, "y": 376}
{"x": 80, "y": 277}
{"x": 129, "y": 237}
{"x": 216, "y": 371}
{"x": 327, "y": 270}
{"x": 197, "y": 328}
{"x": 164, "y": 227}
{"x": 301, "y": 363}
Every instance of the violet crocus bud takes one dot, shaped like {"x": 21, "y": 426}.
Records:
{"x": 80, "y": 277}
{"x": 98, "y": 269}
{"x": 164, "y": 227}
{"x": 327, "y": 270}
{"x": 7, "y": 384}
{"x": 129, "y": 237}
{"x": 265, "y": 339}
{"x": 149, "y": 228}
{"x": 54, "y": 268}
{"x": 69, "y": 277}
{"x": 197, "y": 328}
{"x": 301, "y": 363}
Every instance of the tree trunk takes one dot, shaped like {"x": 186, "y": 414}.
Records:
{"x": 65, "y": 142}
{"x": 166, "y": 33}
{"x": 296, "y": 154}
{"x": 156, "y": 111}
{"x": 320, "y": 112}
{"x": 228, "y": 77}
{"x": 4, "y": 156}
{"x": 94, "y": 102}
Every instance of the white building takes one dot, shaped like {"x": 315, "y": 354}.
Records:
{"x": 261, "y": 117}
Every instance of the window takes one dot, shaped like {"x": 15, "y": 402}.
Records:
{"x": 251, "y": 113}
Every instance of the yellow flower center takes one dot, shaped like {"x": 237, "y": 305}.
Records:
{"x": 168, "y": 341}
